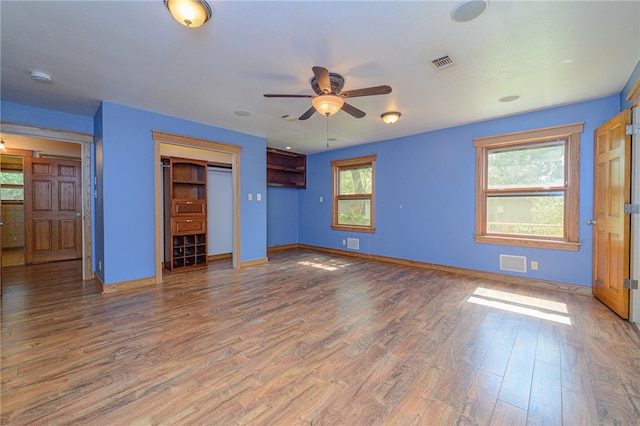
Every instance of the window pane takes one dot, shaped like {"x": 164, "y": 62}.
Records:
{"x": 355, "y": 180}
{"x": 537, "y": 166}
{"x": 12, "y": 178}
{"x": 525, "y": 214}
{"x": 354, "y": 212}
{"x": 12, "y": 194}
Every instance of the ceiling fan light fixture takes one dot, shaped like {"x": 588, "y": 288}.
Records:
{"x": 391, "y": 117}
{"x": 190, "y": 13}
{"x": 327, "y": 104}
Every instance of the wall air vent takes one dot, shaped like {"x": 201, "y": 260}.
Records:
{"x": 442, "y": 62}
{"x": 353, "y": 243}
{"x": 513, "y": 263}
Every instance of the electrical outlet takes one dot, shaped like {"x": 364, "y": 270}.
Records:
{"x": 259, "y": 197}
{"x": 99, "y": 265}
{"x": 321, "y": 199}
{"x": 344, "y": 242}
{"x": 534, "y": 265}
{"x": 250, "y": 197}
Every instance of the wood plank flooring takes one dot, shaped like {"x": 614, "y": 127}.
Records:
{"x": 311, "y": 338}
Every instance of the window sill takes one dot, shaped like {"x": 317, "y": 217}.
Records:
{"x": 528, "y": 242}
{"x": 351, "y": 228}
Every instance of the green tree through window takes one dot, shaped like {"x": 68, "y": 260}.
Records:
{"x": 528, "y": 188}
{"x": 353, "y": 207}
{"x": 12, "y": 185}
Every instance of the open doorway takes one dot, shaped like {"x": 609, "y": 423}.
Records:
{"x": 33, "y": 141}
{"x": 12, "y": 209}
{"x": 166, "y": 144}
{"x": 17, "y": 205}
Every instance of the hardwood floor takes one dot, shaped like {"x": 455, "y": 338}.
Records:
{"x": 12, "y": 257}
{"x": 311, "y": 338}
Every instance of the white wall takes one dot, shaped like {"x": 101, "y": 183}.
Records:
{"x": 219, "y": 211}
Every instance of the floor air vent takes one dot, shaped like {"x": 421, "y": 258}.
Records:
{"x": 513, "y": 263}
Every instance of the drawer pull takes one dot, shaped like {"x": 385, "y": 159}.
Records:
{"x": 189, "y": 220}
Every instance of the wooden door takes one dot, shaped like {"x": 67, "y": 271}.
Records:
{"x": 52, "y": 210}
{"x": 611, "y": 231}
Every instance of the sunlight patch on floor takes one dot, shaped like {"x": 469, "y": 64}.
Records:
{"x": 549, "y": 305}
{"x": 332, "y": 266}
{"x": 318, "y": 265}
{"x": 525, "y": 305}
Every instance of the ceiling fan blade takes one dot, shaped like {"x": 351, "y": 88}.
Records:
{"x": 322, "y": 78}
{"x": 307, "y": 114}
{"x": 368, "y": 91}
{"x": 350, "y": 109}
{"x": 271, "y": 95}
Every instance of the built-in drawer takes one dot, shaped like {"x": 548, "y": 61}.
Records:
{"x": 188, "y": 207}
{"x": 185, "y": 225}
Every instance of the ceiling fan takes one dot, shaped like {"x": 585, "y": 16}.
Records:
{"x": 329, "y": 97}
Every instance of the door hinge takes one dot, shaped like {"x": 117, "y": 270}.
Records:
{"x": 633, "y": 129}
{"x": 632, "y": 208}
{"x": 631, "y": 284}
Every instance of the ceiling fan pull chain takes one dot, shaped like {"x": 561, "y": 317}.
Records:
{"x": 327, "y": 130}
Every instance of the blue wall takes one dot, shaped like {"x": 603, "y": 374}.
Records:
{"x": 126, "y": 146}
{"x": 425, "y": 185}
{"x": 282, "y": 215}
{"x": 425, "y": 196}
{"x": 123, "y": 213}
{"x": 22, "y": 114}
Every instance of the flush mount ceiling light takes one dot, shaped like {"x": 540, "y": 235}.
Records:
{"x": 327, "y": 104}
{"x": 466, "y": 10}
{"x": 390, "y": 117}
{"x": 40, "y": 76}
{"x": 190, "y": 13}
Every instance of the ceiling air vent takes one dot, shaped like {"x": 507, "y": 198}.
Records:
{"x": 442, "y": 62}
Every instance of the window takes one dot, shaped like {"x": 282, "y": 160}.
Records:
{"x": 11, "y": 179}
{"x": 353, "y": 194}
{"x": 527, "y": 188}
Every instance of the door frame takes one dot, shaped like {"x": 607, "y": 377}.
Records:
{"x": 86, "y": 142}
{"x": 160, "y": 138}
{"x": 634, "y": 273}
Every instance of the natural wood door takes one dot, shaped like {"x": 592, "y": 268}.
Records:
{"x": 52, "y": 210}
{"x": 611, "y": 231}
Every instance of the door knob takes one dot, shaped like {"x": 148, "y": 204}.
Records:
{"x": 591, "y": 222}
{"x": 78, "y": 214}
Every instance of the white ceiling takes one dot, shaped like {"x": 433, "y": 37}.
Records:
{"x": 134, "y": 53}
